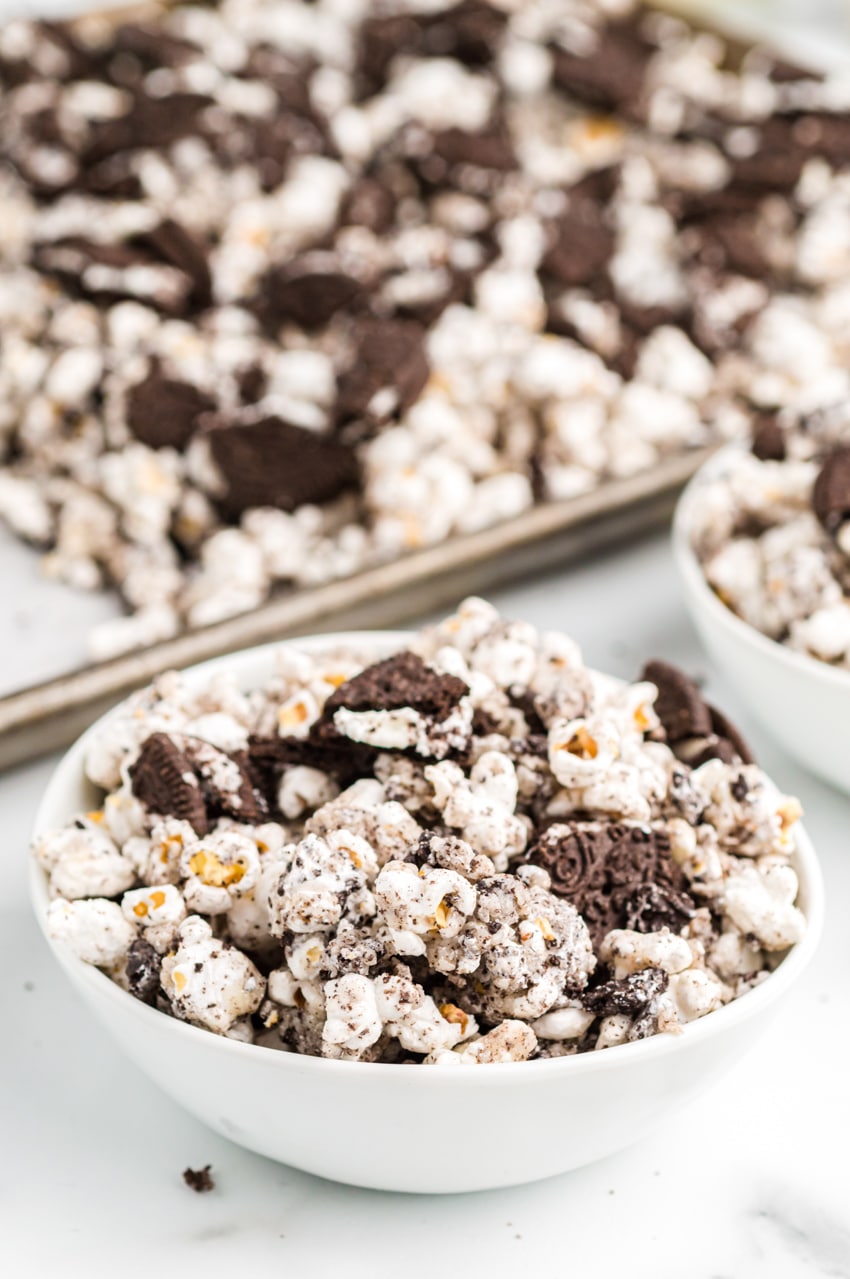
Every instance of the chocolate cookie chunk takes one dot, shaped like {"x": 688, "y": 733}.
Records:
{"x": 600, "y": 866}
{"x": 369, "y": 203}
{"x": 172, "y": 243}
{"x": 611, "y": 74}
{"x": 732, "y": 244}
{"x": 300, "y": 294}
{"x": 488, "y": 149}
{"x": 325, "y": 749}
{"x": 163, "y": 412}
{"x": 187, "y": 778}
{"x": 274, "y": 463}
{"x": 652, "y": 907}
{"x": 175, "y": 278}
{"x": 467, "y": 32}
{"x": 630, "y": 995}
{"x": 574, "y": 857}
{"x": 164, "y": 779}
{"x": 581, "y": 248}
{"x": 389, "y": 370}
{"x": 725, "y": 731}
{"x": 831, "y": 495}
{"x": 401, "y": 680}
{"x": 768, "y": 438}
{"x": 151, "y": 123}
{"x": 680, "y": 705}
{"x": 142, "y": 970}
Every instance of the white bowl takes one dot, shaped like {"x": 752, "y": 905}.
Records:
{"x": 803, "y": 702}
{"x": 417, "y": 1128}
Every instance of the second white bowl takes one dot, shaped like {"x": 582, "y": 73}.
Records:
{"x": 804, "y": 703}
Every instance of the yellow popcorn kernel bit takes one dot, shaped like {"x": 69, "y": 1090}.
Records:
{"x": 179, "y": 980}
{"x": 354, "y": 857}
{"x": 642, "y": 720}
{"x": 581, "y": 744}
{"x": 293, "y": 714}
{"x": 272, "y": 1019}
{"x": 314, "y": 954}
{"x": 96, "y": 816}
{"x": 441, "y": 915}
{"x": 172, "y": 844}
{"x": 157, "y": 899}
{"x": 455, "y": 1015}
{"x": 789, "y": 812}
{"x": 214, "y": 872}
{"x": 262, "y": 846}
{"x": 546, "y": 928}
{"x": 335, "y": 679}
{"x": 140, "y": 909}
{"x": 412, "y": 531}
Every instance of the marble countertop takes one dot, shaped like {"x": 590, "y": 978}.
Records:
{"x": 750, "y": 1182}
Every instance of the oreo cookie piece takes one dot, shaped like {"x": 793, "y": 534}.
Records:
{"x": 727, "y": 243}
{"x": 777, "y": 161}
{"x": 142, "y": 971}
{"x": 767, "y": 438}
{"x": 388, "y": 371}
{"x": 652, "y": 907}
{"x": 680, "y": 705}
{"x": 328, "y": 751}
{"x": 172, "y": 243}
{"x": 188, "y": 778}
{"x": 163, "y": 778}
{"x": 399, "y": 681}
{"x": 582, "y": 249}
{"x": 305, "y": 293}
{"x": 600, "y": 866}
{"x": 611, "y": 74}
{"x": 371, "y": 204}
{"x": 164, "y": 412}
{"x": 831, "y": 495}
{"x": 176, "y": 278}
{"x": 725, "y": 731}
{"x": 467, "y": 32}
{"x": 631, "y": 995}
{"x": 271, "y": 462}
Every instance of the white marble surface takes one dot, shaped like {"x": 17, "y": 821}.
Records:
{"x": 749, "y": 1183}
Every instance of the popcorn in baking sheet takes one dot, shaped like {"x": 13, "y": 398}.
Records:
{"x": 506, "y": 895}
{"x": 291, "y": 289}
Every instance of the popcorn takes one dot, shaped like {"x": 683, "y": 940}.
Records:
{"x": 482, "y": 807}
{"x": 505, "y": 897}
{"x": 208, "y": 981}
{"x": 95, "y": 930}
{"x": 778, "y": 554}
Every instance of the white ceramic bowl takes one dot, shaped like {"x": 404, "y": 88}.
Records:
{"x": 803, "y": 702}
{"x": 417, "y": 1128}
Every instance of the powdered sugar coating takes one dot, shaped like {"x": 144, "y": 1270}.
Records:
{"x": 465, "y": 910}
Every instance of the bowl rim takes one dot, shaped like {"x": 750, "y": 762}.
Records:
{"x": 695, "y": 580}
{"x": 99, "y": 988}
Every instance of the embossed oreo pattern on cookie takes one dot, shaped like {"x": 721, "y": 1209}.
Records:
{"x": 389, "y": 858}
{"x": 288, "y": 290}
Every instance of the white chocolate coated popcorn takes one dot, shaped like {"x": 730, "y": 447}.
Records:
{"x": 531, "y": 894}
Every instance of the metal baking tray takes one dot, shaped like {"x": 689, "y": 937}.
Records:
{"x": 48, "y": 715}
